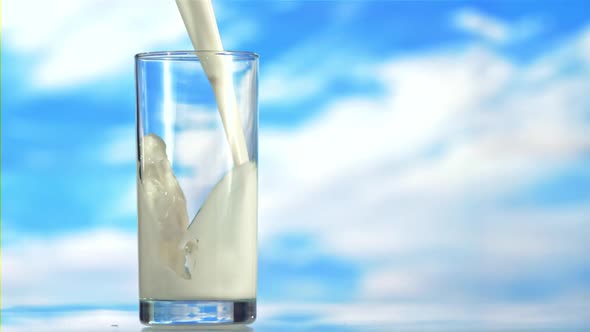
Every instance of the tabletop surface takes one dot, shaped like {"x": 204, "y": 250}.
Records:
{"x": 310, "y": 318}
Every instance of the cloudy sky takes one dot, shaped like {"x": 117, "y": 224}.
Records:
{"x": 429, "y": 154}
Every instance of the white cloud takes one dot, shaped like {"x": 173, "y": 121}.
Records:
{"x": 472, "y": 105}
{"x": 305, "y": 70}
{"x": 83, "y": 40}
{"x": 426, "y": 167}
{"x": 445, "y": 260}
{"x": 585, "y": 44}
{"x": 478, "y": 23}
{"x": 494, "y": 29}
{"x": 79, "y": 41}
{"x": 94, "y": 267}
{"x": 302, "y": 72}
{"x": 284, "y": 88}
{"x": 574, "y": 54}
{"x": 118, "y": 147}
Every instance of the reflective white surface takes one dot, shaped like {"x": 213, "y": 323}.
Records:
{"x": 314, "y": 317}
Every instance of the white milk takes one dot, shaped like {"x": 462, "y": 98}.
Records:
{"x": 199, "y": 20}
{"x": 216, "y": 256}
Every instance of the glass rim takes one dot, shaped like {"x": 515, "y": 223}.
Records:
{"x": 183, "y": 55}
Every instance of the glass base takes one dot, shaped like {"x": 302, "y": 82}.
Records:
{"x": 183, "y": 312}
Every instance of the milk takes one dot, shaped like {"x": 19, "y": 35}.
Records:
{"x": 215, "y": 256}
{"x": 199, "y": 20}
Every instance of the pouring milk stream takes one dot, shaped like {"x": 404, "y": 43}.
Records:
{"x": 199, "y": 19}
{"x": 215, "y": 256}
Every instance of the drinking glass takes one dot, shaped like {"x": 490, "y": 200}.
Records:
{"x": 197, "y": 206}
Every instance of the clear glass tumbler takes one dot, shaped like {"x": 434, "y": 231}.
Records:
{"x": 197, "y": 199}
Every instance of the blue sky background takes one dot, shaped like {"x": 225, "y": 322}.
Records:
{"x": 429, "y": 154}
